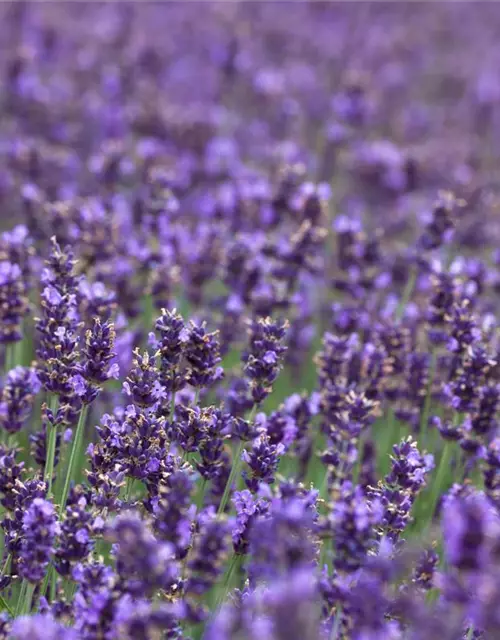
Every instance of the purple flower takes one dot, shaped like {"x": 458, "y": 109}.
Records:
{"x": 262, "y": 459}
{"x": 75, "y": 542}
{"x": 262, "y": 359}
{"x": 142, "y": 385}
{"x": 41, "y": 627}
{"x": 173, "y": 338}
{"x": 40, "y": 528}
{"x": 202, "y": 356}
{"x": 353, "y": 521}
{"x": 16, "y": 402}
{"x": 471, "y": 527}
{"x": 208, "y": 555}
{"x": 173, "y": 512}
{"x": 248, "y": 508}
{"x": 14, "y": 303}
{"x": 143, "y": 563}
{"x": 95, "y": 366}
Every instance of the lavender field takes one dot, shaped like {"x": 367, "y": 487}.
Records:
{"x": 249, "y": 321}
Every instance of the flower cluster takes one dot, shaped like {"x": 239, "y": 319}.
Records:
{"x": 249, "y": 321}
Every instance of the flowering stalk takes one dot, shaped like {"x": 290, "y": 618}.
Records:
{"x": 235, "y": 469}
{"x": 51, "y": 446}
{"x": 428, "y": 398}
{"x": 74, "y": 456}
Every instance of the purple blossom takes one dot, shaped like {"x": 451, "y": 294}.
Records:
{"x": 40, "y": 528}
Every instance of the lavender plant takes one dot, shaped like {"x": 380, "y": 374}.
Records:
{"x": 249, "y": 337}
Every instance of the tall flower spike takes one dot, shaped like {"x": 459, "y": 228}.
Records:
{"x": 202, "y": 355}
{"x": 262, "y": 460}
{"x": 142, "y": 385}
{"x": 40, "y": 528}
{"x": 16, "y": 401}
{"x": 262, "y": 360}
{"x": 173, "y": 337}
{"x": 58, "y": 327}
{"x": 14, "y": 302}
{"x": 207, "y": 559}
{"x": 143, "y": 564}
{"x": 95, "y": 368}
{"x": 353, "y": 520}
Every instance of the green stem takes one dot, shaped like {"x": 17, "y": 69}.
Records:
{"x": 21, "y": 598}
{"x": 28, "y": 598}
{"x": 172, "y": 406}
{"x": 74, "y": 456}
{"x": 235, "y": 564}
{"x": 234, "y": 472}
{"x": 443, "y": 469}
{"x": 235, "y": 468}
{"x": 424, "y": 420}
{"x": 196, "y": 398}
{"x": 51, "y": 447}
{"x": 128, "y": 488}
{"x": 201, "y": 493}
{"x": 408, "y": 290}
{"x": 5, "y": 606}
{"x": 10, "y": 357}
{"x": 334, "y": 635}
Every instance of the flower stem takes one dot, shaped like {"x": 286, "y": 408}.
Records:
{"x": 74, "y": 456}
{"x": 443, "y": 468}
{"x": 51, "y": 447}
{"x": 408, "y": 290}
{"x": 21, "y": 598}
{"x": 428, "y": 397}
{"x": 234, "y": 472}
{"x": 234, "y": 565}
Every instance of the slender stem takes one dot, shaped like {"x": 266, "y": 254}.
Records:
{"x": 128, "y": 488}
{"x": 235, "y": 564}
{"x": 74, "y": 456}
{"x": 443, "y": 469}
{"x": 234, "y": 472}
{"x": 51, "y": 447}
{"x": 428, "y": 397}
{"x": 470, "y": 633}
{"x": 6, "y": 565}
{"x": 172, "y": 405}
{"x": 201, "y": 493}
{"x": 5, "y": 606}
{"x": 235, "y": 468}
{"x": 196, "y": 397}
{"x": 10, "y": 356}
{"x": 21, "y": 598}
{"x": 408, "y": 290}
{"x": 334, "y": 635}
{"x": 28, "y": 598}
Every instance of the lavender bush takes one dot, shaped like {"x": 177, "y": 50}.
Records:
{"x": 249, "y": 335}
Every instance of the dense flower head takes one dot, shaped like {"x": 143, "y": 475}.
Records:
{"x": 210, "y": 550}
{"x": 75, "y": 537}
{"x": 262, "y": 360}
{"x": 14, "y": 303}
{"x": 440, "y": 226}
{"x": 58, "y": 326}
{"x": 142, "y": 385}
{"x": 202, "y": 357}
{"x": 172, "y": 338}
{"x": 96, "y": 366}
{"x": 143, "y": 563}
{"x": 40, "y": 528}
{"x": 353, "y": 521}
{"x": 18, "y": 393}
{"x": 471, "y": 528}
